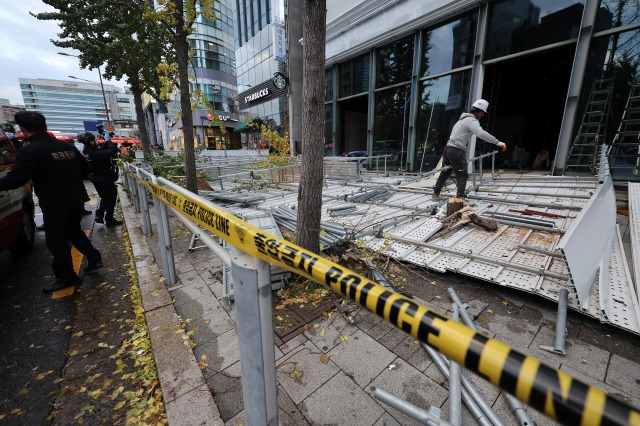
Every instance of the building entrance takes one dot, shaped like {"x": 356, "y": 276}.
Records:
{"x": 353, "y": 122}
{"x": 527, "y": 97}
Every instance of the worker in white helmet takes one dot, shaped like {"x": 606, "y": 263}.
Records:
{"x": 455, "y": 153}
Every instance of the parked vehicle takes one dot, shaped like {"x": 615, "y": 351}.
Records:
{"x": 17, "y": 226}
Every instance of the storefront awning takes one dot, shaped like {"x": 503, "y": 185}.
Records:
{"x": 244, "y": 126}
{"x": 241, "y": 127}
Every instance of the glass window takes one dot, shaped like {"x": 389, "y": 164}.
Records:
{"x": 354, "y": 76}
{"x": 450, "y": 46}
{"x": 519, "y": 25}
{"x": 328, "y": 128}
{"x": 442, "y": 100}
{"x": 328, "y": 76}
{"x": 395, "y": 62}
{"x": 615, "y": 13}
{"x": 614, "y": 66}
{"x": 392, "y": 124}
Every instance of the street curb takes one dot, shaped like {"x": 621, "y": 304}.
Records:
{"x": 186, "y": 396}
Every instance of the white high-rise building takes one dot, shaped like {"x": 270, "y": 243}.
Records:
{"x": 68, "y": 104}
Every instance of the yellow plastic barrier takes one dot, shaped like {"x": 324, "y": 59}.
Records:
{"x": 550, "y": 391}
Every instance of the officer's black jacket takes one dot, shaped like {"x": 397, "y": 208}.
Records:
{"x": 57, "y": 169}
{"x": 101, "y": 159}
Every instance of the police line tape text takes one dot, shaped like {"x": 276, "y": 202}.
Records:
{"x": 209, "y": 217}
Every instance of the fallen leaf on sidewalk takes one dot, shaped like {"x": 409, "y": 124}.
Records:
{"x": 295, "y": 374}
{"x": 324, "y": 358}
{"x": 42, "y": 375}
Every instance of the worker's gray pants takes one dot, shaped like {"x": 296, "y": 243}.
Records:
{"x": 457, "y": 159}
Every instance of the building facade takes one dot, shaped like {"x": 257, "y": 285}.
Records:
{"x": 68, "y": 104}
{"x": 213, "y": 72}
{"x": 400, "y": 73}
{"x": 8, "y": 111}
{"x": 269, "y": 65}
{"x": 123, "y": 113}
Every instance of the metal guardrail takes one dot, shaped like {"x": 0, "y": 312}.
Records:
{"x": 553, "y": 392}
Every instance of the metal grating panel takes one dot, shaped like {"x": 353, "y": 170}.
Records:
{"x": 622, "y": 308}
{"x": 565, "y": 196}
{"x": 634, "y": 231}
{"x": 584, "y": 244}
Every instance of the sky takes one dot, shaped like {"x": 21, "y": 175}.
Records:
{"x": 26, "y": 50}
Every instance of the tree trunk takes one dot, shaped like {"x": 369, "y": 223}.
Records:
{"x": 182, "y": 50}
{"x": 142, "y": 121}
{"x": 314, "y": 14}
{"x": 454, "y": 205}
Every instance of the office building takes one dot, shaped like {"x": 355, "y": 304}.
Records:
{"x": 213, "y": 72}
{"x": 8, "y": 111}
{"x": 269, "y": 64}
{"x": 68, "y": 104}
{"x": 123, "y": 113}
{"x": 400, "y": 73}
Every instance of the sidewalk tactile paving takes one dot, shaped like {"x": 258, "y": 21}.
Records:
{"x": 220, "y": 352}
{"x": 306, "y": 360}
{"x": 341, "y": 401}
{"x": 376, "y": 355}
{"x": 624, "y": 374}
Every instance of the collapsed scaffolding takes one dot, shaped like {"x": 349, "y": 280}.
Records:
{"x": 554, "y": 233}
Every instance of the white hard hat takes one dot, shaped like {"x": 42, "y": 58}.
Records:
{"x": 481, "y": 104}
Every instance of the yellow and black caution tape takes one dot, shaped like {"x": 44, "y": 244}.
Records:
{"x": 550, "y": 391}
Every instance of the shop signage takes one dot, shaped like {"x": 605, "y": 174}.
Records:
{"x": 263, "y": 92}
{"x": 221, "y": 117}
{"x": 258, "y": 94}
{"x": 277, "y": 12}
{"x": 279, "y": 52}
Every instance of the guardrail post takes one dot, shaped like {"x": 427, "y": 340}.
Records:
{"x": 252, "y": 295}
{"x": 127, "y": 182}
{"x": 493, "y": 165}
{"x": 473, "y": 172}
{"x": 134, "y": 195}
{"x": 164, "y": 239}
{"x": 144, "y": 208}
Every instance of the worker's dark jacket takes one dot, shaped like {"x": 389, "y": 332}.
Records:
{"x": 57, "y": 169}
{"x": 101, "y": 163}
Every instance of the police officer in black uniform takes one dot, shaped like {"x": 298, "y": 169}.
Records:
{"x": 102, "y": 175}
{"x": 57, "y": 170}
